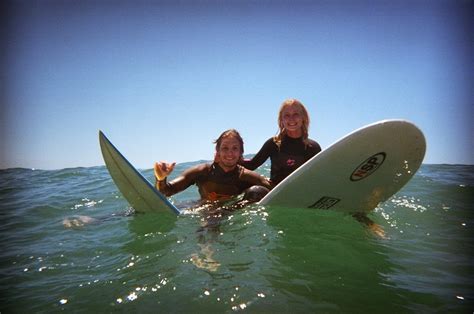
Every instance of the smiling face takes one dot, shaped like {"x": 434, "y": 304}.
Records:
{"x": 229, "y": 149}
{"x": 292, "y": 120}
{"x": 228, "y": 153}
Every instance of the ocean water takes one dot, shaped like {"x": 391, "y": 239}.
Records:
{"x": 71, "y": 243}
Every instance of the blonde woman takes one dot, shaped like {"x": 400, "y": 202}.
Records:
{"x": 291, "y": 147}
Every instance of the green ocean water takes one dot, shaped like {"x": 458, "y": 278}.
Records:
{"x": 69, "y": 243}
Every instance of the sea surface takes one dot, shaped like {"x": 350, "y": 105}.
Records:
{"x": 70, "y": 242}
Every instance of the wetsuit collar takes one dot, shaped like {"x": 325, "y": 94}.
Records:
{"x": 288, "y": 138}
{"x": 217, "y": 167}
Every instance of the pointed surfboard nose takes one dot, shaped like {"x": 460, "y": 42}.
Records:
{"x": 135, "y": 188}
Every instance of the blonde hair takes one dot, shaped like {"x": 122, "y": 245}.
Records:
{"x": 282, "y": 132}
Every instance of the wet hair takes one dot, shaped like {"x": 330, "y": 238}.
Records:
{"x": 287, "y": 103}
{"x": 230, "y": 133}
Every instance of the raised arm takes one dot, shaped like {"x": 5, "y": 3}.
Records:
{"x": 260, "y": 157}
{"x": 180, "y": 183}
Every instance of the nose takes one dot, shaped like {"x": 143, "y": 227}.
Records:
{"x": 229, "y": 153}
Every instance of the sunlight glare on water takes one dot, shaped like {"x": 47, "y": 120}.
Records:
{"x": 71, "y": 243}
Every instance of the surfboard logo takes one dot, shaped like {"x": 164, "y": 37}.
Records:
{"x": 290, "y": 162}
{"x": 369, "y": 166}
{"x": 325, "y": 202}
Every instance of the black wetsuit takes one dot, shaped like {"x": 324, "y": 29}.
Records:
{"x": 291, "y": 154}
{"x": 213, "y": 182}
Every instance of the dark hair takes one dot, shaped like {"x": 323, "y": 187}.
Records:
{"x": 230, "y": 133}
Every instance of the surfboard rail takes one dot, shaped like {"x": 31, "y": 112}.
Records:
{"x": 136, "y": 189}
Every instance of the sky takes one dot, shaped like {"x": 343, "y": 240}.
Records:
{"x": 162, "y": 79}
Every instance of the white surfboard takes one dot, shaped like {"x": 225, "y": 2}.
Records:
{"x": 357, "y": 172}
{"x": 137, "y": 190}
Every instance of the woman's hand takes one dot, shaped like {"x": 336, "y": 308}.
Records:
{"x": 163, "y": 169}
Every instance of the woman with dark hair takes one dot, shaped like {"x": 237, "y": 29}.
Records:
{"x": 219, "y": 180}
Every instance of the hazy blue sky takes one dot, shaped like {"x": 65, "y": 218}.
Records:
{"x": 163, "y": 79}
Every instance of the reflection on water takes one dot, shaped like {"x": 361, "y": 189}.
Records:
{"x": 70, "y": 245}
